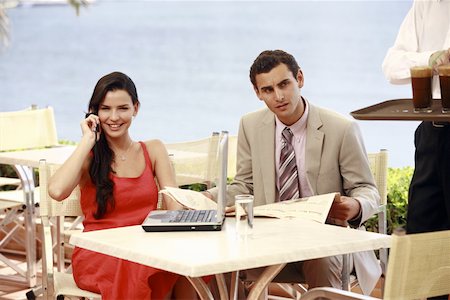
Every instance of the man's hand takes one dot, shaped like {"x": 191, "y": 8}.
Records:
{"x": 345, "y": 208}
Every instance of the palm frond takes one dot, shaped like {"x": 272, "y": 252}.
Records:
{"x": 77, "y": 4}
{"x": 4, "y": 23}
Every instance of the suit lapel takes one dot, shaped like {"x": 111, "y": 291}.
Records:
{"x": 266, "y": 145}
{"x": 314, "y": 142}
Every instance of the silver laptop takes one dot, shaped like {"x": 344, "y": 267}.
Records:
{"x": 195, "y": 220}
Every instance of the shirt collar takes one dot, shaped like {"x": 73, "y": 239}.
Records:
{"x": 298, "y": 126}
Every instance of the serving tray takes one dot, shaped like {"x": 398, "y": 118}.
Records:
{"x": 400, "y": 109}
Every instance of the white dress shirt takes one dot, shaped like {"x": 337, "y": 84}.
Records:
{"x": 425, "y": 30}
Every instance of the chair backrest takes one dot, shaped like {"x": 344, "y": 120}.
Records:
{"x": 25, "y": 129}
{"x": 419, "y": 266}
{"x": 379, "y": 166}
{"x": 195, "y": 161}
{"x": 50, "y": 207}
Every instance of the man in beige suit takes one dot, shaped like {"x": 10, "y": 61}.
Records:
{"x": 329, "y": 155}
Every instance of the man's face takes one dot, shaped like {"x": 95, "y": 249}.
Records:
{"x": 280, "y": 90}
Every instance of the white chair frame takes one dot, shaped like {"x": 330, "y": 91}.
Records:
{"x": 55, "y": 281}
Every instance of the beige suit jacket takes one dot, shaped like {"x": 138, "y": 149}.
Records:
{"x": 336, "y": 161}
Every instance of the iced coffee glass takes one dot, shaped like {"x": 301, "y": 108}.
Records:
{"x": 444, "y": 82}
{"x": 421, "y": 78}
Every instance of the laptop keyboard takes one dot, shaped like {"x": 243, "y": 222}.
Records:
{"x": 193, "y": 216}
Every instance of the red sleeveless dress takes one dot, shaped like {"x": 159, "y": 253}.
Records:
{"x": 112, "y": 277}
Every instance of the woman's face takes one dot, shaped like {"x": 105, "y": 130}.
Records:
{"x": 116, "y": 113}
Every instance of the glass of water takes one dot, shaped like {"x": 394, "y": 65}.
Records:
{"x": 244, "y": 214}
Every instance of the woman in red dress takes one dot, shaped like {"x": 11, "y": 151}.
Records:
{"x": 117, "y": 176}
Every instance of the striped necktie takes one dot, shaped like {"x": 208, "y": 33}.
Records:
{"x": 289, "y": 187}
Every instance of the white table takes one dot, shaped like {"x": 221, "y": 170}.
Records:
{"x": 30, "y": 158}
{"x": 274, "y": 243}
{"x": 24, "y": 162}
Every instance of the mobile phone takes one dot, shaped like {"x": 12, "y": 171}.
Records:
{"x": 96, "y": 130}
{"x": 97, "y": 127}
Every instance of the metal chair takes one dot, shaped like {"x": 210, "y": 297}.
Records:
{"x": 55, "y": 281}
{"x": 26, "y": 129}
{"x": 419, "y": 267}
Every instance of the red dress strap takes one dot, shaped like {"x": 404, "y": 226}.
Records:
{"x": 148, "y": 162}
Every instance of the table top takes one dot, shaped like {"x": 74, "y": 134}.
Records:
{"x": 401, "y": 109}
{"x": 195, "y": 254}
{"x": 31, "y": 158}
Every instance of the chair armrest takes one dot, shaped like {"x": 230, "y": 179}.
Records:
{"x": 335, "y": 294}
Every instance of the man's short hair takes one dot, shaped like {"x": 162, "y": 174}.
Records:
{"x": 269, "y": 59}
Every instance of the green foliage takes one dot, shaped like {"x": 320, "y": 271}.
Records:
{"x": 199, "y": 187}
{"x": 67, "y": 142}
{"x": 397, "y": 202}
{"x": 397, "y": 206}
{"x": 7, "y": 171}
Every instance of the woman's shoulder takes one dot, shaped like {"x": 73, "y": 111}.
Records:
{"x": 155, "y": 148}
{"x": 154, "y": 144}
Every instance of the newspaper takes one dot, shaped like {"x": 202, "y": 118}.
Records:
{"x": 313, "y": 208}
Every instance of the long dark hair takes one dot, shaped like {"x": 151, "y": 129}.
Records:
{"x": 100, "y": 167}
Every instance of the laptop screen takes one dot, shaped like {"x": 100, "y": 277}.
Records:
{"x": 222, "y": 174}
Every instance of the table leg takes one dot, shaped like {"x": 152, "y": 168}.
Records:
{"x": 266, "y": 277}
{"x": 234, "y": 285}
{"x": 201, "y": 287}
{"x": 221, "y": 284}
{"x": 345, "y": 272}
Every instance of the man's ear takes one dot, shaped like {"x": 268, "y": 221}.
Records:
{"x": 257, "y": 93}
{"x": 300, "y": 78}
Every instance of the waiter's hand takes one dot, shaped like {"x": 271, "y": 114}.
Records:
{"x": 439, "y": 58}
{"x": 344, "y": 208}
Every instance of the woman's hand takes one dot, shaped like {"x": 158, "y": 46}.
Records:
{"x": 169, "y": 204}
{"x": 90, "y": 127}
